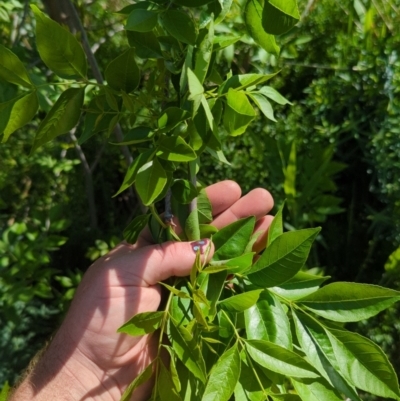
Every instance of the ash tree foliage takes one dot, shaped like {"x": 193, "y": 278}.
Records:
{"x": 239, "y": 326}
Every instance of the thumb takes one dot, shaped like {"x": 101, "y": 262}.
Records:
{"x": 172, "y": 259}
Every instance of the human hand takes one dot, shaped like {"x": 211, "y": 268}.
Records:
{"x": 87, "y": 347}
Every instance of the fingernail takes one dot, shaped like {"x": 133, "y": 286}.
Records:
{"x": 200, "y": 245}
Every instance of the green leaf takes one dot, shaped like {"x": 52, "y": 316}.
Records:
{"x": 300, "y": 285}
{"x": 62, "y": 117}
{"x": 122, "y": 73}
{"x": 239, "y": 113}
{"x": 273, "y": 94}
{"x": 279, "y": 16}
{"x": 135, "y": 227}
{"x": 16, "y": 113}
{"x": 279, "y": 359}
{"x": 283, "y": 258}
{"x": 151, "y": 179}
{"x": 231, "y": 240}
{"x": 276, "y": 227}
{"x": 12, "y": 70}
{"x": 130, "y": 176}
{"x": 175, "y": 149}
{"x": 349, "y": 302}
{"x": 58, "y": 48}
{"x": 244, "y": 81}
{"x": 141, "y": 20}
{"x": 143, "y": 377}
{"x": 364, "y": 364}
{"x": 311, "y": 336}
{"x": 203, "y": 51}
{"x": 187, "y": 350}
{"x": 180, "y": 26}
{"x": 145, "y": 44}
{"x": 263, "y": 104}
{"x": 223, "y": 376}
{"x": 241, "y": 302}
{"x": 267, "y": 320}
{"x": 253, "y": 20}
{"x": 316, "y": 390}
{"x": 183, "y": 191}
{"x": 142, "y": 323}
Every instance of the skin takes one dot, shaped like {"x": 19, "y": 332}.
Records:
{"x": 88, "y": 359}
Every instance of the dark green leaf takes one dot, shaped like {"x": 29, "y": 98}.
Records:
{"x": 179, "y": 25}
{"x": 241, "y": 302}
{"x": 142, "y": 323}
{"x": 283, "y": 258}
{"x": 62, "y": 117}
{"x": 141, "y": 20}
{"x": 267, "y": 320}
{"x": 350, "y": 302}
{"x": 279, "y": 359}
{"x": 279, "y": 16}
{"x": 145, "y": 44}
{"x": 151, "y": 179}
{"x": 187, "y": 350}
{"x": 145, "y": 375}
{"x": 253, "y": 20}
{"x": 174, "y": 148}
{"x": 135, "y": 227}
{"x": 231, "y": 240}
{"x": 133, "y": 169}
{"x": 239, "y": 113}
{"x": 58, "y": 48}
{"x": 123, "y": 74}
{"x": 16, "y": 113}
{"x": 12, "y": 70}
{"x": 223, "y": 376}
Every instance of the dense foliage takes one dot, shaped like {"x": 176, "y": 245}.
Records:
{"x": 333, "y": 155}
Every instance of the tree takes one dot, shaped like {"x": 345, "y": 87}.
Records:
{"x": 179, "y": 103}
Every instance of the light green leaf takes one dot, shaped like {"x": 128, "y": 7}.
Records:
{"x": 23, "y": 109}
{"x": 263, "y": 104}
{"x": 279, "y": 16}
{"x": 253, "y": 20}
{"x": 142, "y": 323}
{"x": 349, "y": 302}
{"x": 151, "y": 179}
{"x": 316, "y": 390}
{"x": 122, "y": 73}
{"x": 267, "y": 320}
{"x": 62, "y": 117}
{"x": 241, "y": 302}
{"x": 273, "y": 94}
{"x": 203, "y": 51}
{"x": 364, "y": 364}
{"x": 145, "y": 375}
{"x": 239, "y": 113}
{"x": 279, "y": 359}
{"x": 133, "y": 169}
{"x": 223, "y": 376}
{"x": 231, "y": 240}
{"x": 12, "y": 70}
{"x": 283, "y": 258}
{"x": 179, "y": 25}
{"x": 187, "y": 350}
{"x": 135, "y": 227}
{"x": 300, "y": 285}
{"x": 58, "y": 48}
{"x": 175, "y": 149}
{"x": 276, "y": 227}
{"x": 141, "y": 20}
{"x": 315, "y": 343}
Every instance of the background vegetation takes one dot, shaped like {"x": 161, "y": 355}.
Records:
{"x": 334, "y": 154}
